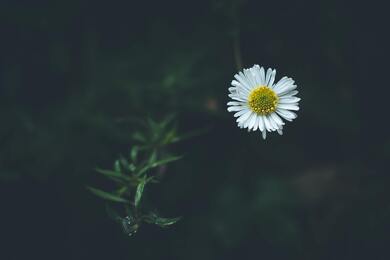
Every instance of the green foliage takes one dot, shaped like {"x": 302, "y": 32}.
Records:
{"x": 145, "y": 164}
{"x": 107, "y": 195}
{"x": 153, "y": 218}
{"x": 140, "y": 190}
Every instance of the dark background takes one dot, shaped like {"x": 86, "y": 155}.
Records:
{"x": 70, "y": 70}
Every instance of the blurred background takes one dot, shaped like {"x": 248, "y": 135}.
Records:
{"x": 72, "y": 71}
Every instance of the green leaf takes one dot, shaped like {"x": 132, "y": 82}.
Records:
{"x": 165, "y": 161}
{"x": 140, "y": 190}
{"x": 122, "y": 190}
{"x": 170, "y": 136}
{"x": 137, "y": 136}
{"x": 152, "y": 218}
{"x": 153, "y": 156}
{"x": 132, "y": 167}
{"x": 106, "y": 195}
{"x": 117, "y": 166}
{"x": 134, "y": 153}
{"x": 164, "y": 222}
{"x": 116, "y": 176}
{"x": 191, "y": 134}
{"x": 167, "y": 120}
{"x": 108, "y": 172}
{"x": 152, "y": 124}
{"x": 158, "y": 163}
{"x": 123, "y": 161}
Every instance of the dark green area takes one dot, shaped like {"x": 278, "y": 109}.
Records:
{"x": 74, "y": 75}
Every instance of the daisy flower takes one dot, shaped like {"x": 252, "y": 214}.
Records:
{"x": 259, "y": 104}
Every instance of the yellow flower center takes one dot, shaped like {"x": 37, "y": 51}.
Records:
{"x": 263, "y": 100}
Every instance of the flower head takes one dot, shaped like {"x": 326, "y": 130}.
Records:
{"x": 259, "y": 104}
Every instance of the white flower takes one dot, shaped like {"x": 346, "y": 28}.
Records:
{"x": 259, "y": 104}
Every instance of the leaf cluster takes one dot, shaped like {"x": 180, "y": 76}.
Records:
{"x": 145, "y": 164}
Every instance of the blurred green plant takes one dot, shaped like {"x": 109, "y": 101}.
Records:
{"x": 145, "y": 164}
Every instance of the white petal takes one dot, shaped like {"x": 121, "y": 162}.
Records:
{"x": 252, "y": 121}
{"x": 264, "y": 134}
{"x": 239, "y": 87}
{"x": 262, "y": 76}
{"x": 235, "y": 97}
{"x": 256, "y": 123}
{"x": 285, "y": 89}
{"x": 239, "y": 113}
{"x": 232, "y": 90}
{"x": 289, "y": 94}
{"x": 288, "y": 100}
{"x": 288, "y": 106}
{"x": 244, "y": 117}
{"x": 282, "y": 84}
{"x": 272, "y": 122}
{"x": 280, "y": 130}
{"x": 261, "y": 123}
{"x": 286, "y": 114}
{"x": 272, "y": 79}
{"x": 268, "y": 76}
{"x": 256, "y": 73}
{"x": 243, "y": 81}
{"x": 234, "y": 103}
{"x": 277, "y": 119}
{"x": 246, "y": 79}
{"x": 267, "y": 124}
{"x": 250, "y": 78}
{"x": 246, "y": 122}
{"x": 235, "y": 108}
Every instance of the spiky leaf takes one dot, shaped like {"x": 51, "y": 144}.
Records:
{"x": 107, "y": 195}
{"x": 153, "y": 218}
{"x": 139, "y": 192}
{"x": 116, "y": 176}
{"x": 159, "y": 163}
